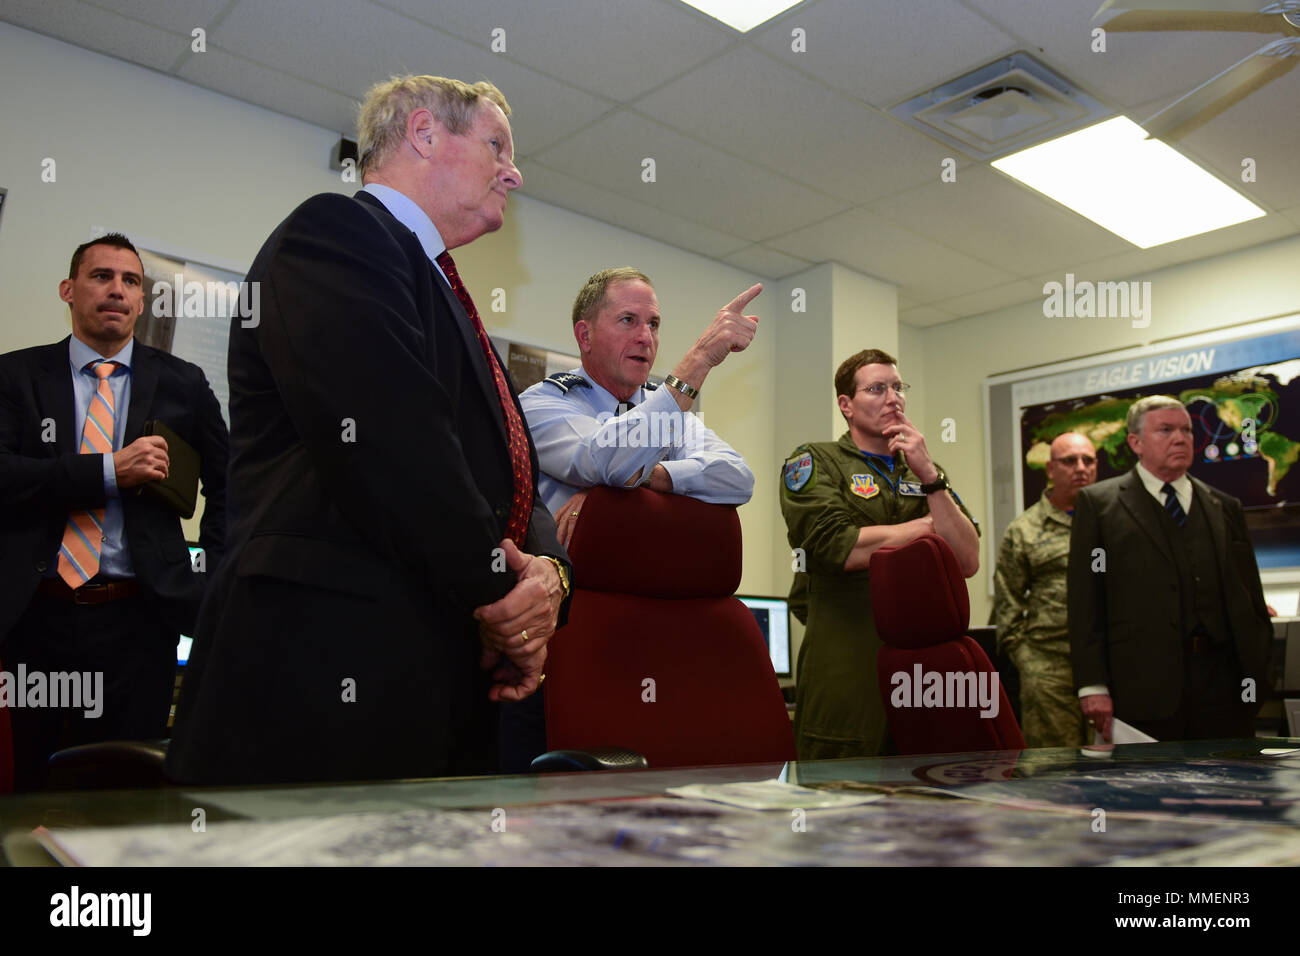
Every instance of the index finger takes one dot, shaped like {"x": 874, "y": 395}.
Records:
{"x": 739, "y": 302}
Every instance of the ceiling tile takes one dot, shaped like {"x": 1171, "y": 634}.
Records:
{"x": 592, "y": 44}
{"x": 344, "y": 60}
{"x": 868, "y": 49}
{"x": 926, "y": 270}
{"x": 218, "y": 70}
{"x": 1134, "y": 67}
{"x": 96, "y": 29}
{"x": 986, "y": 215}
{"x": 829, "y": 147}
{"x": 177, "y": 16}
{"x": 924, "y": 315}
{"x": 1241, "y": 236}
{"x": 561, "y": 190}
{"x": 998, "y": 297}
{"x": 693, "y": 181}
{"x": 765, "y": 262}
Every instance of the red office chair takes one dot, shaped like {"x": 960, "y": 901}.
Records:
{"x": 657, "y": 656}
{"x": 922, "y": 610}
{"x": 6, "y": 750}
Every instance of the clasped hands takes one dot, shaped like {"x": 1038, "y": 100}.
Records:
{"x": 514, "y": 630}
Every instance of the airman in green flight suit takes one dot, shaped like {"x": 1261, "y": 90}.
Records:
{"x": 877, "y": 486}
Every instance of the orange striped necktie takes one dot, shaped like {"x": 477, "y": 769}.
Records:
{"x": 84, "y": 536}
{"x": 521, "y": 506}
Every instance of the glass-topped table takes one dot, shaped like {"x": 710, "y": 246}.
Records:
{"x": 1198, "y": 802}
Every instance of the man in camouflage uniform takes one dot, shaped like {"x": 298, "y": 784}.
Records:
{"x": 843, "y": 500}
{"x": 1030, "y": 599}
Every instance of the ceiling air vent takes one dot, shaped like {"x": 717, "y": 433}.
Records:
{"x": 1002, "y": 107}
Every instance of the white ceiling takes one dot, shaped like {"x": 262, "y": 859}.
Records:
{"x": 766, "y": 158}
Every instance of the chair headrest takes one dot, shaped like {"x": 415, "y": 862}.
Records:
{"x": 638, "y": 541}
{"x": 918, "y": 594}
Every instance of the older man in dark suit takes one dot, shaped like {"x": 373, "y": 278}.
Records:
{"x": 98, "y": 578}
{"x": 392, "y": 573}
{"x": 1169, "y": 630}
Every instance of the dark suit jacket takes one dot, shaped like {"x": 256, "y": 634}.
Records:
{"x": 1126, "y": 623}
{"x": 40, "y": 482}
{"x": 370, "y": 485}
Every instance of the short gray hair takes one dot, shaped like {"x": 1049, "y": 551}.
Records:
{"x": 1137, "y": 411}
{"x": 381, "y": 124}
{"x": 592, "y": 295}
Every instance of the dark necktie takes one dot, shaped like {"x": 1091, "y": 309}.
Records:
{"x": 521, "y": 506}
{"x": 624, "y": 407}
{"x": 1172, "y": 506}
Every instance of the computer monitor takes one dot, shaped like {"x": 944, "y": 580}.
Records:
{"x": 773, "y": 617}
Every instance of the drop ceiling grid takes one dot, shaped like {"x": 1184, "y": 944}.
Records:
{"x": 557, "y": 39}
{"x": 692, "y": 180}
{"x": 95, "y": 29}
{"x": 559, "y": 189}
{"x": 762, "y": 111}
{"x": 925, "y": 270}
{"x": 988, "y": 217}
{"x": 866, "y": 49}
{"x": 1135, "y": 66}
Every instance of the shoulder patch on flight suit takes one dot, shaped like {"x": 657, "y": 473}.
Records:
{"x": 798, "y": 471}
{"x": 567, "y": 380}
{"x": 864, "y": 486}
{"x": 910, "y": 488}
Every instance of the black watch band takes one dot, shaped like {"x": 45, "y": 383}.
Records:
{"x": 940, "y": 483}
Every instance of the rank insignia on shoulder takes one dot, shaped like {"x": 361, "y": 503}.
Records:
{"x": 650, "y": 386}
{"x": 798, "y": 471}
{"x": 910, "y": 488}
{"x": 864, "y": 486}
{"x": 567, "y": 380}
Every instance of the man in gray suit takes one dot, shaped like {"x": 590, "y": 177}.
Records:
{"x": 1168, "y": 626}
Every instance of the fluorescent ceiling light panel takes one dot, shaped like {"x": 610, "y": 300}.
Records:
{"x": 1143, "y": 190}
{"x": 742, "y": 15}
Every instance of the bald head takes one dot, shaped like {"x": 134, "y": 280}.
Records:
{"x": 1073, "y": 465}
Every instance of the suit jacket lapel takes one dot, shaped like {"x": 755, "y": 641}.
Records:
{"x": 457, "y": 311}
{"x": 56, "y": 397}
{"x": 144, "y": 379}
{"x": 1134, "y": 497}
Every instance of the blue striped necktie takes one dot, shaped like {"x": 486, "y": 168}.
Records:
{"x": 1172, "y": 506}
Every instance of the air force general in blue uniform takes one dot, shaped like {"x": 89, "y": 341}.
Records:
{"x": 584, "y": 437}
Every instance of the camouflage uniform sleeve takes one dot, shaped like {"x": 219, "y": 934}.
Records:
{"x": 1010, "y": 581}
{"x": 816, "y": 519}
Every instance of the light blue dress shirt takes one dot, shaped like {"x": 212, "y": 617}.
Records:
{"x": 114, "y": 559}
{"x": 581, "y": 442}
{"x": 405, "y": 210}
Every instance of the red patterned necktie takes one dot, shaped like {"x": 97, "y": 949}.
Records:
{"x": 83, "y": 538}
{"x": 521, "y": 507}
